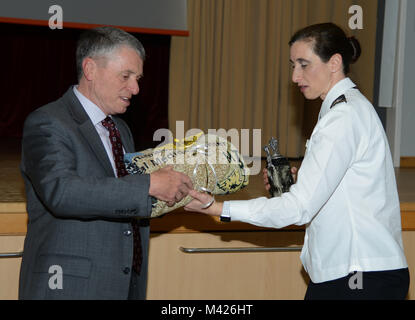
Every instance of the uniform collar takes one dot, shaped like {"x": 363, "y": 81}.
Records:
{"x": 338, "y": 89}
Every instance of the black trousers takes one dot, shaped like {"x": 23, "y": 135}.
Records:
{"x": 376, "y": 285}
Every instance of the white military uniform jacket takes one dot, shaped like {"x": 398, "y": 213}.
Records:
{"x": 345, "y": 194}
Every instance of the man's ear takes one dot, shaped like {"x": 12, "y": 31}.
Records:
{"x": 89, "y": 67}
{"x": 336, "y": 63}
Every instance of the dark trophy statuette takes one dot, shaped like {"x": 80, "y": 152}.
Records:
{"x": 279, "y": 169}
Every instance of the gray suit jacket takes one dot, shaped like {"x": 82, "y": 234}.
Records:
{"x": 79, "y": 212}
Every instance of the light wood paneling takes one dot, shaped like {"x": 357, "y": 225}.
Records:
{"x": 13, "y": 223}
{"x": 177, "y": 275}
{"x": 10, "y": 267}
{"x": 269, "y": 275}
{"x": 408, "y": 238}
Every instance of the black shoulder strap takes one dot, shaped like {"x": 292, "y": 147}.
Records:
{"x": 340, "y": 99}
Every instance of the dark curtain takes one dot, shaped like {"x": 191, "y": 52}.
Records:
{"x": 39, "y": 66}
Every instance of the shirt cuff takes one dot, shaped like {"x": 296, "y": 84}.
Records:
{"x": 244, "y": 210}
{"x": 236, "y": 210}
{"x": 226, "y": 210}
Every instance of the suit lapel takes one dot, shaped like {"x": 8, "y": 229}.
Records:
{"x": 92, "y": 137}
{"x": 87, "y": 130}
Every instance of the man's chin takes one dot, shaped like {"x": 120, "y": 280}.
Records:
{"x": 123, "y": 107}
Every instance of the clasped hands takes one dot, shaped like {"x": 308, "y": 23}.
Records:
{"x": 172, "y": 186}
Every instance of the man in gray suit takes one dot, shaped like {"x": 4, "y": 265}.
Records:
{"x": 79, "y": 242}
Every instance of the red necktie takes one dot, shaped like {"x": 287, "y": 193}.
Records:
{"x": 118, "y": 153}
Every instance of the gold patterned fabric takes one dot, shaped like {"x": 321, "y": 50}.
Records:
{"x": 213, "y": 164}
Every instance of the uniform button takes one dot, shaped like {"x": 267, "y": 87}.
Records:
{"x": 127, "y": 233}
{"x": 126, "y": 270}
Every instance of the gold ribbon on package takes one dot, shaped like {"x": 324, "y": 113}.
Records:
{"x": 213, "y": 164}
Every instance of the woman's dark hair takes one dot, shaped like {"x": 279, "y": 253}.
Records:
{"x": 330, "y": 39}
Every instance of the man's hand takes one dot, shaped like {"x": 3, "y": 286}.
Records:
{"x": 201, "y": 199}
{"x": 267, "y": 186}
{"x": 169, "y": 185}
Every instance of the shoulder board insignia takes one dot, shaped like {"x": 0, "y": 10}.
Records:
{"x": 340, "y": 99}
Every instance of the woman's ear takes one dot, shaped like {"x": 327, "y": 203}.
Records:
{"x": 336, "y": 63}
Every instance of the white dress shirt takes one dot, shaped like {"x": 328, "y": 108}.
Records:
{"x": 97, "y": 115}
{"x": 345, "y": 194}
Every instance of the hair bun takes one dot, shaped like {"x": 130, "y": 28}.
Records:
{"x": 356, "y": 50}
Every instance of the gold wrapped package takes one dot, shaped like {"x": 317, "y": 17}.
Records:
{"x": 213, "y": 164}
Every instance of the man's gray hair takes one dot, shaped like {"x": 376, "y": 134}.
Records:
{"x": 99, "y": 42}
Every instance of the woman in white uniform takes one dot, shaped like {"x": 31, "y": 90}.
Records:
{"x": 346, "y": 191}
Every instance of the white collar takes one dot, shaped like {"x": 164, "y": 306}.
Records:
{"x": 94, "y": 112}
{"x": 338, "y": 89}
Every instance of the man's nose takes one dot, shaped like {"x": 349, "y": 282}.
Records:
{"x": 134, "y": 87}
